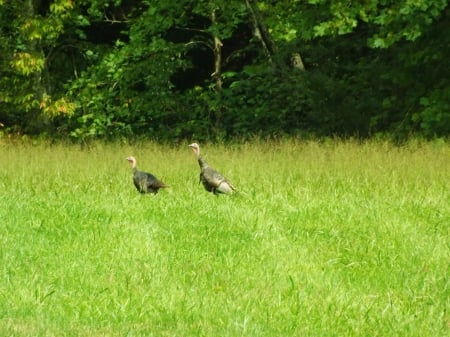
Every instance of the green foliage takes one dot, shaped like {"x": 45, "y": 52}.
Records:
{"x": 393, "y": 20}
{"x": 29, "y": 94}
{"x": 129, "y": 86}
{"x": 434, "y": 118}
{"x": 219, "y": 69}
{"x": 133, "y": 82}
{"x": 265, "y": 100}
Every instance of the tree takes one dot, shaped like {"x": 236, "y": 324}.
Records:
{"x": 217, "y": 68}
{"x": 367, "y": 56}
{"x": 30, "y": 34}
{"x": 167, "y": 77}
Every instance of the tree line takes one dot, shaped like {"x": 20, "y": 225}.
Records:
{"x": 219, "y": 69}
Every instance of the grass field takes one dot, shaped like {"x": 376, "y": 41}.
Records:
{"x": 337, "y": 238}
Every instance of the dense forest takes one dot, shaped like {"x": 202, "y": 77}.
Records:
{"x": 221, "y": 69}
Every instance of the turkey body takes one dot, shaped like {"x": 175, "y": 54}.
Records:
{"x": 143, "y": 181}
{"x": 212, "y": 180}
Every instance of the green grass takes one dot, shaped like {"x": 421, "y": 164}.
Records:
{"x": 325, "y": 239}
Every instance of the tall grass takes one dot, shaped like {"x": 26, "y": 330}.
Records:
{"x": 324, "y": 239}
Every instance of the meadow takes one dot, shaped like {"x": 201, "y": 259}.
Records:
{"x": 333, "y": 238}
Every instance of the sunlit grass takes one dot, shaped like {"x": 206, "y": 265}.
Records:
{"x": 323, "y": 239}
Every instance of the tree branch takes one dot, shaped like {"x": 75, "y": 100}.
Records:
{"x": 200, "y": 42}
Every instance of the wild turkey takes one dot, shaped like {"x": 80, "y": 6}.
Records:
{"x": 144, "y": 182}
{"x": 212, "y": 180}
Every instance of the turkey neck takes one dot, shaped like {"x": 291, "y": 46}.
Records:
{"x": 202, "y": 162}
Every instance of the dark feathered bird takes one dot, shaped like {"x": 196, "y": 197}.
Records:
{"x": 212, "y": 180}
{"x": 144, "y": 182}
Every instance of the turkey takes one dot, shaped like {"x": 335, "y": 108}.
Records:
{"x": 212, "y": 180}
{"x": 144, "y": 182}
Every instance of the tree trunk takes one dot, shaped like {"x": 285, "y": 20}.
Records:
{"x": 34, "y": 49}
{"x": 36, "y": 118}
{"x": 297, "y": 62}
{"x": 217, "y": 74}
{"x": 260, "y": 30}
